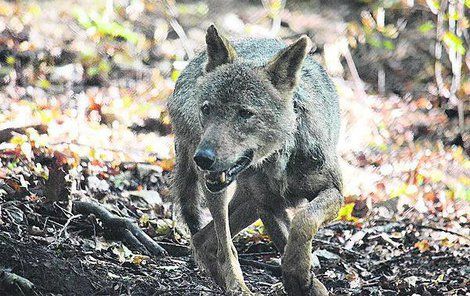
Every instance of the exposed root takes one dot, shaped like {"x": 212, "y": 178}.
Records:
{"x": 16, "y": 284}
{"x": 122, "y": 229}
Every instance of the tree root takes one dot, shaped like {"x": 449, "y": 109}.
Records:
{"x": 122, "y": 229}
{"x": 16, "y": 284}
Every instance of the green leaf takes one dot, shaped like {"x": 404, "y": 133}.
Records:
{"x": 104, "y": 27}
{"x": 345, "y": 213}
{"x": 426, "y": 27}
{"x": 104, "y": 67}
{"x": 399, "y": 191}
{"x": 82, "y": 18}
{"x": 175, "y": 74}
{"x": 388, "y": 45}
{"x": 375, "y": 42}
{"x": 454, "y": 16}
{"x": 454, "y": 42}
{"x": 11, "y": 60}
{"x": 43, "y": 83}
{"x": 92, "y": 71}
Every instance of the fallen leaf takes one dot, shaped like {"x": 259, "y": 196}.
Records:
{"x": 345, "y": 213}
{"x": 423, "y": 246}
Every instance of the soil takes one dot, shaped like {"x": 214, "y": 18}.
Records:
{"x": 376, "y": 265}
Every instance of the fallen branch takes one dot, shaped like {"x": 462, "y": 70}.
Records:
{"x": 16, "y": 284}
{"x": 122, "y": 229}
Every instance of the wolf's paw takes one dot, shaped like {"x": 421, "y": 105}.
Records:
{"x": 232, "y": 277}
{"x": 238, "y": 292}
{"x": 299, "y": 284}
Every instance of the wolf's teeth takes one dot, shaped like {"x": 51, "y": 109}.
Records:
{"x": 223, "y": 177}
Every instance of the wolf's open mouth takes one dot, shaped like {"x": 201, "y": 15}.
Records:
{"x": 218, "y": 180}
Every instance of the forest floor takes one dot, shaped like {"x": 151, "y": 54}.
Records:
{"x": 83, "y": 118}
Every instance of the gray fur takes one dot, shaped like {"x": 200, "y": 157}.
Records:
{"x": 293, "y": 134}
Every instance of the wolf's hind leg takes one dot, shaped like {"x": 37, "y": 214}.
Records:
{"x": 276, "y": 221}
{"x": 296, "y": 261}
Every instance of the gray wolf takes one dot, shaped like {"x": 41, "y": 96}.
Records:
{"x": 265, "y": 115}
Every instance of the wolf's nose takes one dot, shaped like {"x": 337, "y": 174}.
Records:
{"x": 204, "y": 158}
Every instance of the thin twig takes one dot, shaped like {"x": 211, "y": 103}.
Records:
{"x": 443, "y": 91}
{"x": 67, "y": 224}
{"x": 337, "y": 247}
{"x": 419, "y": 225}
{"x": 354, "y": 74}
{"x": 441, "y": 229}
{"x": 171, "y": 13}
{"x": 258, "y": 254}
{"x": 456, "y": 62}
{"x": 275, "y": 269}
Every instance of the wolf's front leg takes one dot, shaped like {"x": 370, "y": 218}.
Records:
{"x": 185, "y": 188}
{"x": 229, "y": 272}
{"x": 242, "y": 213}
{"x": 297, "y": 276}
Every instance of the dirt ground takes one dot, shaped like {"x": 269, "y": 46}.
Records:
{"x": 383, "y": 262}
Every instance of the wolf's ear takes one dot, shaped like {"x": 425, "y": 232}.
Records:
{"x": 284, "y": 69}
{"x": 219, "y": 49}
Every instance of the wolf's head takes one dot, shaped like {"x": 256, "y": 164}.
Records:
{"x": 246, "y": 112}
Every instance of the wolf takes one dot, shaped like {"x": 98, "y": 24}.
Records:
{"x": 264, "y": 116}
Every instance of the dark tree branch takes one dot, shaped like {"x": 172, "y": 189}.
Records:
{"x": 16, "y": 284}
{"x": 120, "y": 228}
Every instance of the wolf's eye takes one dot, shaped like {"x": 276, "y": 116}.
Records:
{"x": 205, "y": 108}
{"x": 245, "y": 114}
